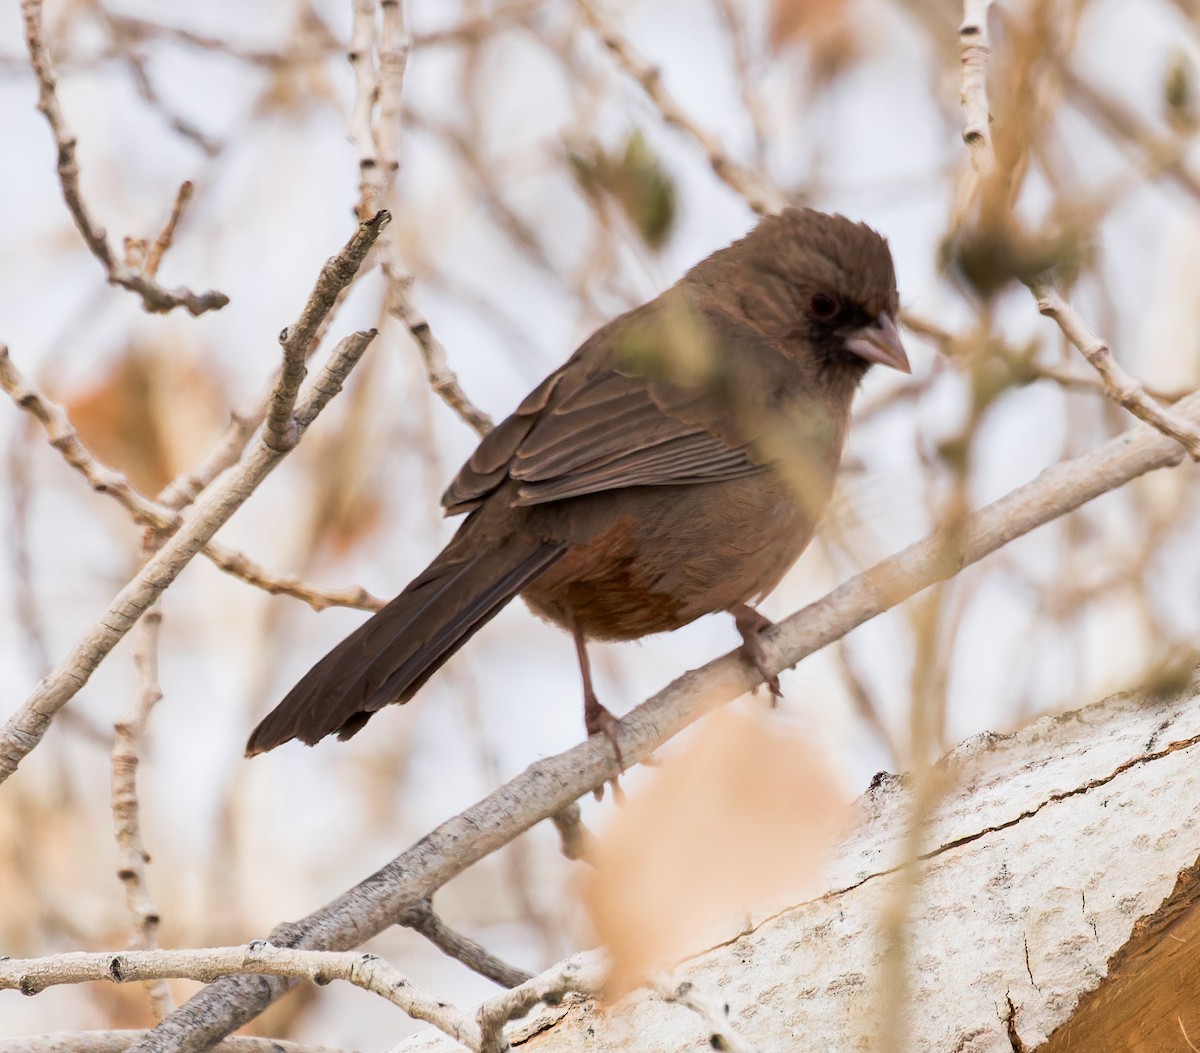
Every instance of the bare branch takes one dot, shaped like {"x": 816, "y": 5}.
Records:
{"x": 374, "y": 128}
{"x": 155, "y": 298}
{"x": 126, "y": 807}
{"x": 422, "y": 918}
{"x": 759, "y": 195}
{"x": 437, "y": 365}
{"x": 281, "y": 433}
{"x": 368, "y": 971}
{"x": 159, "y": 515}
{"x": 25, "y": 728}
{"x": 1119, "y": 385}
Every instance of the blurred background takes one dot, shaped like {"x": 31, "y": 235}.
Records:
{"x": 542, "y": 192}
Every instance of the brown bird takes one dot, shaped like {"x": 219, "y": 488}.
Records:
{"x": 675, "y": 466}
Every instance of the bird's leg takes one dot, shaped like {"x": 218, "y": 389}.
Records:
{"x": 750, "y": 623}
{"x": 596, "y": 718}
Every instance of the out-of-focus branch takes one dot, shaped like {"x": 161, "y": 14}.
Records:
{"x": 25, "y": 728}
{"x": 158, "y": 515}
{"x": 1160, "y": 152}
{"x": 759, "y": 195}
{"x": 375, "y": 129}
{"x": 549, "y": 785}
{"x": 155, "y": 298}
{"x": 974, "y": 48}
{"x": 1118, "y": 384}
{"x": 368, "y": 971}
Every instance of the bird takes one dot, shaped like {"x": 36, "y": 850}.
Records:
{"x": 675, "y": 466}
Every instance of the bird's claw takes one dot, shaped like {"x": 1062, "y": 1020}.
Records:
{"x": 750, "y": 624}
{"x": 599, "y": 721}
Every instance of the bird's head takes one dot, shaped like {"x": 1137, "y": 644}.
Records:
{"x": 816, "y": 285}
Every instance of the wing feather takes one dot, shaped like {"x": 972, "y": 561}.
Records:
{"x": 596, "y": 425}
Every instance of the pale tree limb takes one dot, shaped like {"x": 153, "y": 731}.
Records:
{"x": 975, "y": 47}
{"x": 368, "y": 971}
{"x": 760, "y": 195}
{"x": 155, "y": 298}
{"x": 25, "y": 728}
{"x": 551, "y": 784}
{"x": 129, "y": 733}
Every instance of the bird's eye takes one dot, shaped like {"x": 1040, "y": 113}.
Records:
{"x": 822, "y": 307}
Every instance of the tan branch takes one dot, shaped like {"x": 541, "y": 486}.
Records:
{"x": 759, "y": 195}
{"x": 155, "y": 297}
{"x": 129, "y": 734}
{"x": 368, "y": 971}
{"x": 580, "y": 974}
{"x": 974, "y": 50}
{"x": 1119, "y": 385}
{"x": 422, "y": 918}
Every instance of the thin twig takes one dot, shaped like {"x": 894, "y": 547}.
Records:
{"x": 422, "y": 919}
{"x": 1119, "y": 385}
{"x": 155, "y": 298}
{"x": 25, "y": 728}
{"x": 759, "y": 195}
{"x": 161, "y": 515}
{"x": 126, "y": 806}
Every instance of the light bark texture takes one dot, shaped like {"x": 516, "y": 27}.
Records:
{"x": 1050, "y": 846}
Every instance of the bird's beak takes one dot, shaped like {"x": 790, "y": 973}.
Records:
{"x": 880, "y": 342}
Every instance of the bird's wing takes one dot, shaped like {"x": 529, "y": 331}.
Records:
{"x": 596, "y": 425}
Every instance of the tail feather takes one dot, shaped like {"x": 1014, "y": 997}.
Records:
{"x": 389, "y": 657}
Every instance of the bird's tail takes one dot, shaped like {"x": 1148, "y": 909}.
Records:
{"x": 388, "y": 657}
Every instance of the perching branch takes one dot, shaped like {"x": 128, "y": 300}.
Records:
{"x": 551, "y": 784}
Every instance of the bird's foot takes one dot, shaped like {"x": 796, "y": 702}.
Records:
{"x": 751, "y": 624}
{"x": 599, "y": 721}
